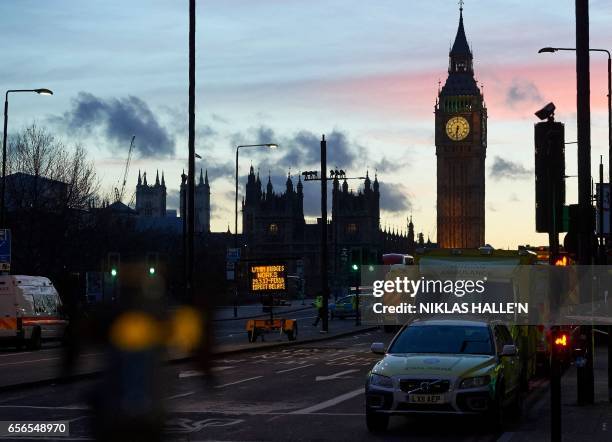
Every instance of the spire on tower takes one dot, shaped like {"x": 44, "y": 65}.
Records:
{"x": 157, "y": 178}
{"x": 163, "y": 181}
{"x": 139, "y": 179}
{"x": 144, "y": 178}
{"x": 201, "y": 177}
{"x": 206, "y": 177}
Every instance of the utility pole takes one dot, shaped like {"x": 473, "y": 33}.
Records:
{"x": 190, "y": 209}
{"x": 586, "y": 386}
{"x": 324, "y": 257}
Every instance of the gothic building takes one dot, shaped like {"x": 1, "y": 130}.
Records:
{"x": 151, "y": 199}
{"x": 274, "y": 227}
{"x": 202, "y": 202}
{"x": 461, "y": 143}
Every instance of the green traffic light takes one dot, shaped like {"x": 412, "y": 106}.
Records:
{"x": 151, "y": 270}
{"x": 355, "y": 267}
{"x": 371, "y": 268}
{"x": 113, "y": 272}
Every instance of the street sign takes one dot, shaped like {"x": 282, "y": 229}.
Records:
{"x": 5, "y": 250}
{"x": 233, "y": 255}
{"x": 230, "y": 272}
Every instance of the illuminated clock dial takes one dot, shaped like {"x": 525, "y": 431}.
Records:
{"x": 457, "y": 128}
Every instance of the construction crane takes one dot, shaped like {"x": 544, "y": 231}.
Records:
{"x": 119, "y": 194}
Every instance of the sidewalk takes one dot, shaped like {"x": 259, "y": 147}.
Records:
{"x": 589, "y": 423}
{"x": 226, "y": 312}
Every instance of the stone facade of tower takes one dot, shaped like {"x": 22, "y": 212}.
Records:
{"x": 151, "y": 199}
{"x": 202, "y": 202}
{"x": 461, "y": 143}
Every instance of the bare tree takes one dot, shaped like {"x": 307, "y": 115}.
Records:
{"x": 39, "y": 154}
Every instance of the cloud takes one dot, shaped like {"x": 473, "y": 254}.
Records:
{"x": 522, "y": 91}
{"x": 118, "y": 119}
{"x": 217, "y": 170}
{"x": 502, "y": 168}
{"x": 391, "y": 166}
{"x": 302, "y": 149}
{"x": 394, "y": 198}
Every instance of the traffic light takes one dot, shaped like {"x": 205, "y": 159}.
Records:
{"x": 562, "y": 260}
{"x": 560, "y": 345}
{"x": 355, "y": 259}
{"x": 152, "y": 260}
{"x": 550, "y": 175}
{"x": 114, "y": 260}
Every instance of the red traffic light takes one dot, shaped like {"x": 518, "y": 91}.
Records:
{"x": 561, "y": 340}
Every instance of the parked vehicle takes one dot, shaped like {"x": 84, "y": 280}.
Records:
{"x": 30, "y": 311}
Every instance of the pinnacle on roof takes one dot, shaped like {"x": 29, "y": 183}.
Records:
{"x": 461, "y": 46}
{"x": 201, "y": 177}
{"x": 206, "y": 177}
{"x": 157, "y": 178}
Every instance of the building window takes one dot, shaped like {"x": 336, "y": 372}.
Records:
{"x": 273, "y": 229}
{"x": 351, "y": 228}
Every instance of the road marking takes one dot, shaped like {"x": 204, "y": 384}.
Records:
{"x": 336, "y": 376}
{"x": 238, "y": 382}
{"x": 29, "y": 361}
{"x": 506, "y": 437}
{"x": 78, "y": 418}
{"x": 294, "y": 368}
{"x": 17, "y": 353}
{"x": 176, "y": 396}
{"x": 341, "y": 357}
{"x": 40, "y": 407}
{"x": 330, "y": 402}
{"x": 193, "y": 373}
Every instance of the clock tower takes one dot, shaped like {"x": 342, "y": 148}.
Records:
{"x": 461, "y": 144}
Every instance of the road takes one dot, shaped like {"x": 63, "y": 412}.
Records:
{"x": 28, "y": 366}
{"x": 304, "y": 392}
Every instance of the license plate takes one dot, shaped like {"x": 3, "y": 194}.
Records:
{"x": 425, "y": 398}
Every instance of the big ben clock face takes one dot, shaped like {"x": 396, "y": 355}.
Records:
{"x": 457, "y": 128}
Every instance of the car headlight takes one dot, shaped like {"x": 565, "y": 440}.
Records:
{"x": 381, "y": 381}
{"x": 475, "y": 382}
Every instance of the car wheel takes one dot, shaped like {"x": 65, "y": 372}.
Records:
{"x": 377, "y": 422}
{"x": 35, "y": 342}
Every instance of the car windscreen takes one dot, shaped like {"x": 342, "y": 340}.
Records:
{"x": 445, "y": 339}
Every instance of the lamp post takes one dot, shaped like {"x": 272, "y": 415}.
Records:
{"x": 269, "y": 146}
{"x": 607, "y": 52}
{"x": 41, "y": 91}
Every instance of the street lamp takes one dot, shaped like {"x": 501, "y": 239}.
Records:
{"x": 40, "y": 91}
{"x": 549, "y": 49}
{"x": 269, "y": 146}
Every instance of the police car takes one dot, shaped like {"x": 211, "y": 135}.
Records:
{"x": 444, "y": 367}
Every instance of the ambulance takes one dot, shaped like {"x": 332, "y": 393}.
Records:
{"x": 30, "y": 311}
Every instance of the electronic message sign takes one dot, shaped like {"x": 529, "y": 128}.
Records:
{"x": 268, "y": 278}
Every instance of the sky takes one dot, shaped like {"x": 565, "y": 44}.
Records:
{"x": 363, "y": 73}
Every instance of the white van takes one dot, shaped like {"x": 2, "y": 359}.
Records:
{"x": 30, "y": 311}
